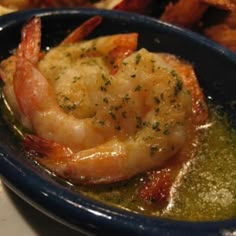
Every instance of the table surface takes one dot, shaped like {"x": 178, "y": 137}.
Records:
{"x": 18, "y": 216}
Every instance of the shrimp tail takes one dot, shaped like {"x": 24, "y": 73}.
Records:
{"x": 156, "y": 188}
{"x": 199, "y": 106}
{"x": 102, "y": 164}
{"x": 27, "y": 57}
{"x": 31, "y": 95}
{"x": 82, "y": 31}
{"x": 30, "y": 45}
{"x": 45, "y": 147}
{"x": 158, "y": 184}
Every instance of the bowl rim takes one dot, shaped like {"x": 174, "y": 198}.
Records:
{"x": 48, "y": 196}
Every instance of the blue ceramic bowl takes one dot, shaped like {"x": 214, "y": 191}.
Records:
{"x": 216, "y": 69}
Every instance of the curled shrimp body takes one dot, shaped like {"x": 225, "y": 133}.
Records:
{"x": 100, "y": 112}
{"x": 199, "y": 106}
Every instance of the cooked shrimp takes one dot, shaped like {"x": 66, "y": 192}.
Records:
{"x": 39, "y": 109}
{"x": 94, "y": 126}
{"x": 110, "y": 162}
{"x": 7, "y": 66}
{"x": 158, "y": 183}
{"x": 199, "y": 106}
{"x": 29, "y": 51}
{"x": 83, "y": 30}
{"x": 41, "y": 95}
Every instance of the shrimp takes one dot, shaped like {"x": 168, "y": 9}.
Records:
{"x": 29, "y": 51}
{"x": 94, "y": 126}
{"x": 82, "y": 31}
{"x": 17, "y": 68}
{"x": 111, "y": 162}
{"x": 157, "y": 184}
{"x": 8, "y": 66}
{"x": 199, "y": 106}
{"x": 39, "y": 109}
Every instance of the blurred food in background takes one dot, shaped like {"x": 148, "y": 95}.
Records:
{"x": 5, "y": 10}
{"x": 214, "y": 18}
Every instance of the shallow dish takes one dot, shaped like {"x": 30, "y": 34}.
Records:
{"x": 215, "y": 68}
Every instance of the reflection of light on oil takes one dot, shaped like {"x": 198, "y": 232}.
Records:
{"x": 173, "y": 191}
{"x": 206, "y": 126}
{"x": 18, "y": 130}
{"x": 141, "y": 208}
{"x": 6, "y": 103}
{"x": 69, "y": 183}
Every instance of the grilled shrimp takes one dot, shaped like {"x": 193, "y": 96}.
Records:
{"x": 100, "y": 112}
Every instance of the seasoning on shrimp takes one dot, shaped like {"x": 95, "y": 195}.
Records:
{"x": 93, "y": 122}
